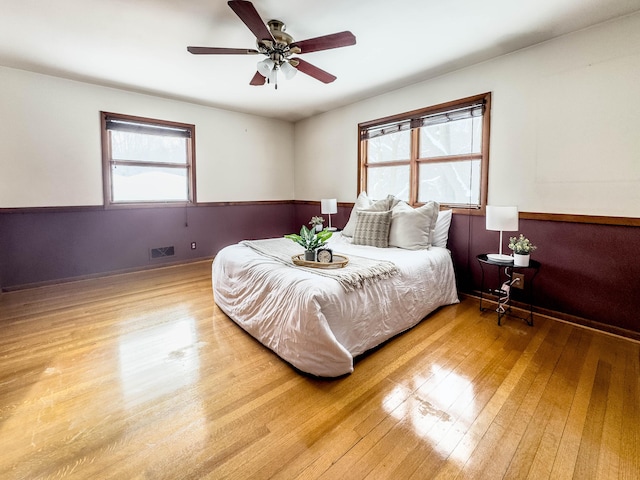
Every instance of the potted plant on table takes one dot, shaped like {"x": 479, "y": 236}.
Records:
{"x": 522, "y": 248}
{"x": 310, "y": 241}
{"x": 316, "y": 223}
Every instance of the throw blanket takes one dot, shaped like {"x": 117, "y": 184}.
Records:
{"x": 357, "y": 273}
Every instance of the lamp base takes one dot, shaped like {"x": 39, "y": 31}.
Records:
{"x": 500, "y": 257}
{"x": 331, "y": 229}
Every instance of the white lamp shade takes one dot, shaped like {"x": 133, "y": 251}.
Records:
{"x": 329, "y": 205}
{"x": 288, "y": 71}
{"x": 502, "y": 218}
{"x": 265, "y": 67}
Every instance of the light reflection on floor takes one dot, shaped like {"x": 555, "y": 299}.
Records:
{"x": 439, "y": 411}
{"x": 159, "y": 360}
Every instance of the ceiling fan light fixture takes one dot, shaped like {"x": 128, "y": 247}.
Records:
{"x": 265, "y": 67}
{"x": 288, "y": 71}
{"x": 278, "y": 46}
{"x": 273, "y": 77}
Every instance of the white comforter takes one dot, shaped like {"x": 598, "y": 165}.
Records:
{"x": 311, "y": 321}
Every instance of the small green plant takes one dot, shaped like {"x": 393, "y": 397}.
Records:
{"x": 315, "y": 221}
{"x": 309, "y": 239}
{"x": 521, "y": 245}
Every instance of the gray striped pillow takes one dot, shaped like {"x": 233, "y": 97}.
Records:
{"x": 372, "y": 228}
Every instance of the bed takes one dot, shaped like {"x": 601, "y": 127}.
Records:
{"x": 314, "y": 322}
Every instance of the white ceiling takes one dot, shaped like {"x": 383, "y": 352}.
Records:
{"x": 141, "y": 45}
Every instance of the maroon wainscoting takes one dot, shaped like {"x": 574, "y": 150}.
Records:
{"x": 585, "y": 270}
{"x": 44, "y": 245}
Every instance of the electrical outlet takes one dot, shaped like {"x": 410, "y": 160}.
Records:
{"x": 520, "y": 280}
{"x": 193, "y": 245}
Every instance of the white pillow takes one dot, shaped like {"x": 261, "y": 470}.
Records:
{"x": 365, "y": 203}
{"x": 412, "y": 228}
{"x": 441, "y": 232}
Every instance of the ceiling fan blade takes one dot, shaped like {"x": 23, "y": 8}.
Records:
{"x": 326, "y": 42}
{"x": 313, "y": 71}
{"x": 249, "y": 15}
{"x": 258, "y": 79}
{"x": 221, "y": 51}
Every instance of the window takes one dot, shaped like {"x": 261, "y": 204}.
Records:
{"x": 438, "y": 153}
{"x": 147, "y": 161}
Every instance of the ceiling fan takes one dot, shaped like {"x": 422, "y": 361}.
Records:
{"x": 278, "y": 47}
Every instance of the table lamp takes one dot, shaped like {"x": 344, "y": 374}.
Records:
{"x": 501, "y": 219}
{"x": 329, "y": 206}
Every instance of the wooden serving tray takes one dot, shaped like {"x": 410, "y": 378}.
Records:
{"x": 339, "y": 261}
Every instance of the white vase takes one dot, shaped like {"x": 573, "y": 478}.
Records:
{"x": 318, "y": 228}
{"x": 520, "y": 260}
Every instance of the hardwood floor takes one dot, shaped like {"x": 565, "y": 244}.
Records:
{"x": 140, "y": 376}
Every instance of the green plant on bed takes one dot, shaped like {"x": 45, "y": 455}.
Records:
{"x": 309, "y": 239}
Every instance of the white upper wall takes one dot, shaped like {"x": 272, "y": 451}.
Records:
{"x": 50, "y": 144}
{"x": 564, "y": 139}
{"x": 565, "y": 125}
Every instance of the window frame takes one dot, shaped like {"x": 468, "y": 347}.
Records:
{"x": 415, "y": 161}
{"x": 108, "y": 161}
